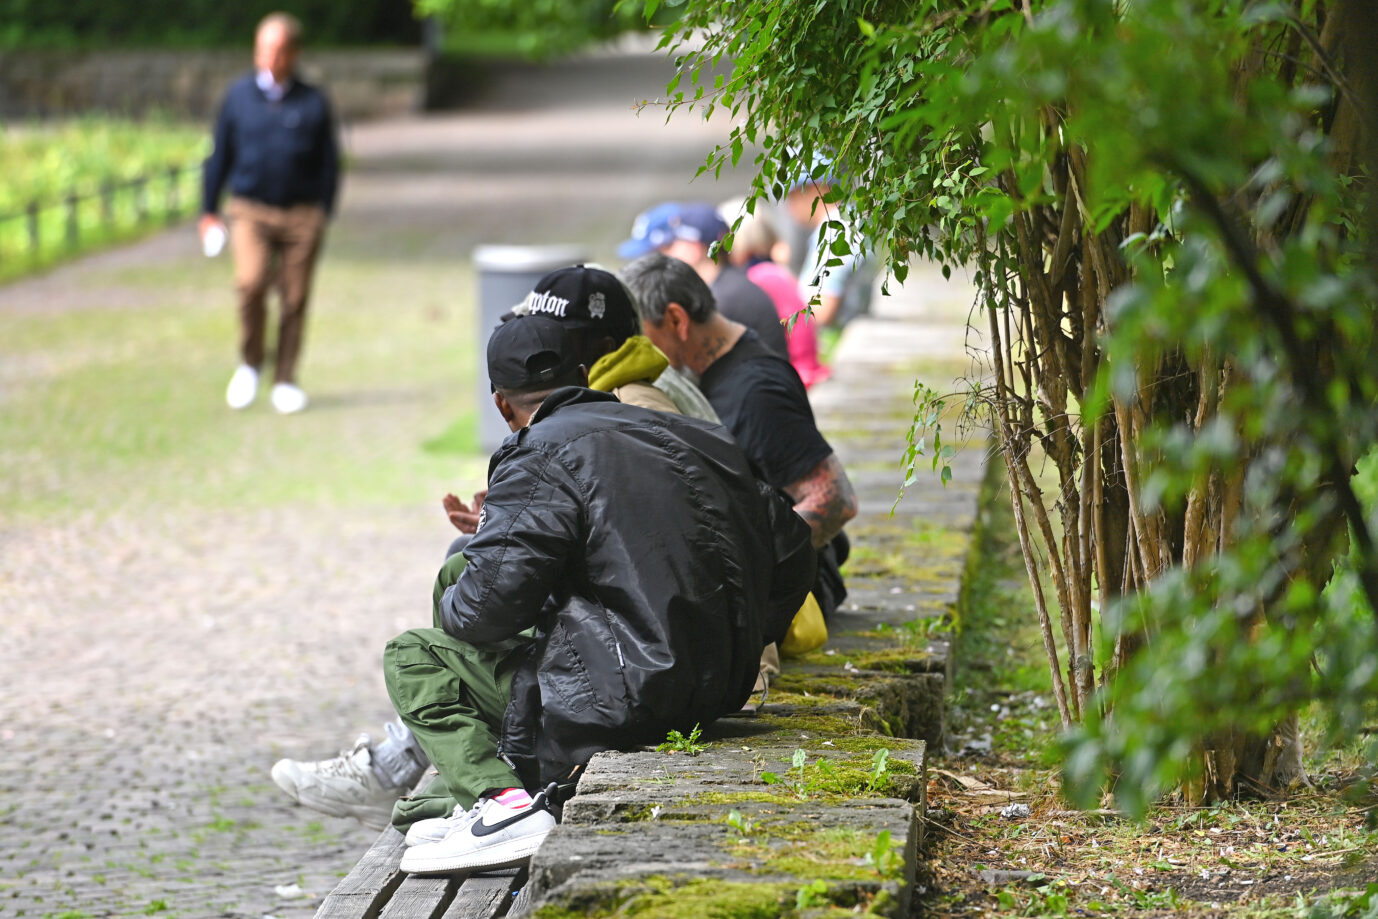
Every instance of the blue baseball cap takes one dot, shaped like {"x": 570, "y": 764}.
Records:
{"x": 819, "y": 171}
{"x": 664, "y": 223}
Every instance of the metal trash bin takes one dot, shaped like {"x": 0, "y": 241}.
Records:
{"x": 506, "y": 275}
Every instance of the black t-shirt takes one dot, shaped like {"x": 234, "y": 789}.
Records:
{"x": 762, "y": 402}
{"x": 742, "y": 301}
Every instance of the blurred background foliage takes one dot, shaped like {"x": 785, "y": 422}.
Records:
{"x": 40, "y": 161}
{"x": 100, "y": 24}
{"x": 535, "y": 29}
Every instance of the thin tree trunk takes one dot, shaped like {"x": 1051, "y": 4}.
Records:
{"x": 1007, "y": 443}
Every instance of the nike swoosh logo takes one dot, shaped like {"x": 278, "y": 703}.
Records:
{"x": 479, "y": 828}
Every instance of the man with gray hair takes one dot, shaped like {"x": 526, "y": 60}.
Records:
{"x": 688, "y": 232}
{"x": 759, "y": 398}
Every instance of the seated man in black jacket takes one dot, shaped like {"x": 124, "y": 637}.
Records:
{"x": 581, "y": 622}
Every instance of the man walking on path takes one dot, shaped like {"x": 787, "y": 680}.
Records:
{"x": 275, "y": 148}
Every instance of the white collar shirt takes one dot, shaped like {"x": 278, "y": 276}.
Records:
{"x": 272, "y": 88}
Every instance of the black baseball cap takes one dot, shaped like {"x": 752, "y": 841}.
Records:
{"x": 529, "y": 352}
{"x": 582, "y": 296}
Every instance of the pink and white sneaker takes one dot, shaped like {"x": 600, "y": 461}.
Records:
{"x": 489, "y": 835}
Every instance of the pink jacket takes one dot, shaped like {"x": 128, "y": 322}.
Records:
{"x": 803, "y": 338}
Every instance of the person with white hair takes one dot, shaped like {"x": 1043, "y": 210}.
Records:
{"x": 753, "y": 243}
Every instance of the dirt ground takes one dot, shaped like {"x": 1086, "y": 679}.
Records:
{"x": 1004, "y": 841}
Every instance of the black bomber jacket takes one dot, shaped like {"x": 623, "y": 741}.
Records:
{"x": 650, "y": 563}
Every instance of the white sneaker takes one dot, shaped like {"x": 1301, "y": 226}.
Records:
{"x": 345, "y": 786}
{"x": 288, "y": 399}
{"x": 243, "y": 387}
{"x": 434, "y": 829}
{"x": 495, "y": 837}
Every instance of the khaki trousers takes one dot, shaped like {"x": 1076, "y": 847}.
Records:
{"x": 273, "y": 246}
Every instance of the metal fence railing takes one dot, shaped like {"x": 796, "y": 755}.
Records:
{"x": 42, "y": 232}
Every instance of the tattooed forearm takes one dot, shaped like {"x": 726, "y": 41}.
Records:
{"x": 825, "y": 499}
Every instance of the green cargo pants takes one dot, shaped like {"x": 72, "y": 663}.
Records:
{"x": 453, "y": 696}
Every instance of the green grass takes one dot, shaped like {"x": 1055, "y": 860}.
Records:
{"x": 998, "y": 629}
{"x": 123, "y": 407}
{"x": 41, "y": 161}
{"x": 92, "y": 159}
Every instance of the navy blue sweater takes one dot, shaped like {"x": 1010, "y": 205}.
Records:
{"x": 278, "y": 153}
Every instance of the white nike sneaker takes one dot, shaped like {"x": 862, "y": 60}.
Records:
{"x": 346, "y": 786}
{"x": 243, "y": 387}
{"x": 434, "y": 829}
{"x": 495, "y": 837}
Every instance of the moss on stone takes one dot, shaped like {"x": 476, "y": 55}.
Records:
{"x": 637, "y": 814}
{"x": 814, "y": 683}
{"x": 665, "y": 897}
{"x": 833, "y": 778}
{"x": 780, "y": 697}
{"x": 900, "y": 659}
{"x": 867, "y": 744}
{"x": 808, "y": 723}
{"x": 741, "y": 797}
{"x": 668, "y": 898}
{"x": 800, "y": 849}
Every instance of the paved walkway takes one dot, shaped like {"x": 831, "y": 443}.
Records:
{"x": 157, "y": 660}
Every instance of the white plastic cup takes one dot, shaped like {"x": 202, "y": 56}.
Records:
{"x": 213, "y": 243}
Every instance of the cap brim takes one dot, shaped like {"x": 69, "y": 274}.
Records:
{"x": 635, "y": 248}
{"x": 811, "y": 182}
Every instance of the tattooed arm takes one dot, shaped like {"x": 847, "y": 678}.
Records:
{"x": 824, "y": 498}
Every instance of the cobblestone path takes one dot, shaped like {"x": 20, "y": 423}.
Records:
{"x": 156, "y": 660}
{"x": 157, "y": 656}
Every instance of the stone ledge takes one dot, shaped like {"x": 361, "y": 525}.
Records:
{"x": 744, "y": 820}
{"x": 785, "y": 813}
{"x": 675, "y": 832}
{"x": 362, "y": 83}
{"x": 668, "y": 835}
